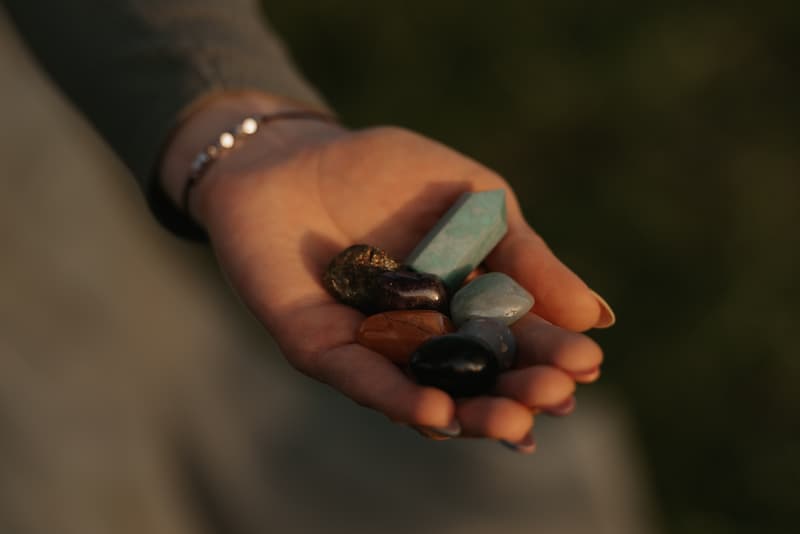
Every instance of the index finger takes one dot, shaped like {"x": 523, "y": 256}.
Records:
{"x": 560, "y": 295}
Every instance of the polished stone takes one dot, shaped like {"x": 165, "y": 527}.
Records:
{"x": 460, "y": 365}
{"x": 493, "y": 295}
{"x": 351, "y": 274}
{"x": 397, "y": 334}
{"x": 496, "y": 335}
{"x": 463, "y": 237}
{"x": 405, "y": 290}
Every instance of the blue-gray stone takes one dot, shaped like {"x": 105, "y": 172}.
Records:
{"x": 463, "y": 237}
{"x": 492, "y": 295}
{"x": 496, "y": 335}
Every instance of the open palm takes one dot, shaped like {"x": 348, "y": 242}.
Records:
{"x": 276, "y": 218}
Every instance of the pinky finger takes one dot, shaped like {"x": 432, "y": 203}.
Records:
{"x": 494, "y": 417}
{"x": 586, "y": 378}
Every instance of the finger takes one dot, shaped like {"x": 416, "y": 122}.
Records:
{"x": 319, "y": 340}
{"x": 560, "y": 295}
{"x": 373, "y": 381}
{"x": 586, "y": 378}
{"x": 538, "y": 387}
{"x": 542, "y": 343}
{"x": 494, "y": 417}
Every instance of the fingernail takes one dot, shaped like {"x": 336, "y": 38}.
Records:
{"x": 585, "y": 372}
{"x": 526, "y": 446}
{"x": 588, "y": 376}
{"x": 565, "y": 408}
{"x": 607, "y": 316}
{"x": 426, "y": 432}
{"x": 453, "y": 430}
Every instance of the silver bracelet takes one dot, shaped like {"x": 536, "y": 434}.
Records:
{"x": 229, "y": 139}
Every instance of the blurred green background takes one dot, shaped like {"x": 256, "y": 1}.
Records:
{"x": 655, "y": 147}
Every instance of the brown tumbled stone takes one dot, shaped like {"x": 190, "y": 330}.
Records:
{"x": 397, "y": 334}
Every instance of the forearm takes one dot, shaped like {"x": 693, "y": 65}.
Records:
{"x": 133, "y": 66}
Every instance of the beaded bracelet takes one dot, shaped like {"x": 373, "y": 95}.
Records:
{"x": 229, "y": 139}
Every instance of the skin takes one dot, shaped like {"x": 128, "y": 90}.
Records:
{"x": 278, "y": 207}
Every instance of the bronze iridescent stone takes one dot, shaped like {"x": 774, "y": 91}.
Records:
{"x": 350, "y": 276}
{"x": 367, "y": 278}
{"x": 397, "y": 334}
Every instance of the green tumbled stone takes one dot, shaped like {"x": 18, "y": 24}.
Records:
{"x": 492, "y": 295}
{"x": 463, "y": 237}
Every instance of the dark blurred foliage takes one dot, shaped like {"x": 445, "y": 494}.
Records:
{"x": 656, "y": 147}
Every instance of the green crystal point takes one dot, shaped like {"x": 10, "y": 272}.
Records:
{"x": 463, "y": 237}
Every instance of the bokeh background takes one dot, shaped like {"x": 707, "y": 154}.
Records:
{"x": 654, "y": 145}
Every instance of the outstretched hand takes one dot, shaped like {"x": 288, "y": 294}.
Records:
{"x": 278, "y": 208}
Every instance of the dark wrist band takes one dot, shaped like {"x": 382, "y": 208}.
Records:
{"x": 232, "y": 138}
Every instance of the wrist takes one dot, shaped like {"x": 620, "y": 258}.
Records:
{"x": 206, "y": 120}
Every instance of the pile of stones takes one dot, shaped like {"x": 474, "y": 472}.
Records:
{"x": 422, "y": 315}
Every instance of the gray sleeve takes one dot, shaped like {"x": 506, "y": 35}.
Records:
{"x": 131, "y": 66}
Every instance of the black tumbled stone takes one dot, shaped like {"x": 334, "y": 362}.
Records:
{"x": 460, "y": 365}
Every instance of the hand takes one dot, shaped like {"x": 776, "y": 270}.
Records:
{"x": 278, "y": 208}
